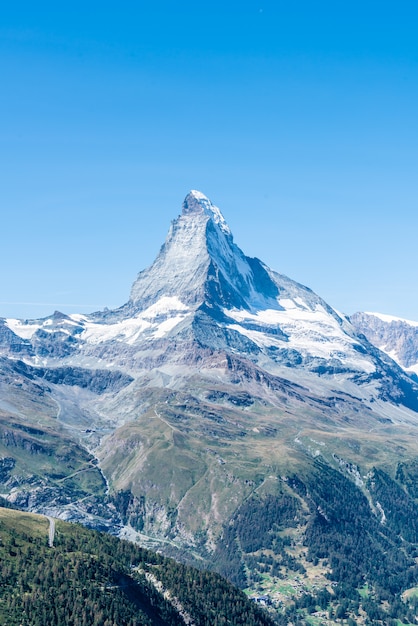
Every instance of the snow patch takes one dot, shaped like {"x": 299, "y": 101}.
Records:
{"x": 310, "y": 332}
{"x": 78, "y": 318}
{"x": 155, "y": 322}
{"x": 164, "y": 306}
{"x": 392, "y": 318}
{"x": 25, "y": 330}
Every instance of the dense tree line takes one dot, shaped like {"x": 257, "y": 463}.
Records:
{"x": 399, "y": 509}
{"x": 367, "y": 536}
{"x": 407, "y": 475}
{"x": 361, "y": 545}
{"x": 130, "y": 508}
{"x": 93, "y": 579}
{"x": 255, "y": 527}
{"x": 363, "y": 539}
{"x": 226, "y": 605}
{"x": 343, "y": 528}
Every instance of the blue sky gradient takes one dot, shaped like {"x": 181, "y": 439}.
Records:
{"x": 299, "y": 120}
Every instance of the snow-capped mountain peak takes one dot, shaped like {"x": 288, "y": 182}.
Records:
{"x": 203, "y": 295}
{"x": 200, "y": 263}
{"x": 216, "y": 383}
{"x": 196, "y": 202}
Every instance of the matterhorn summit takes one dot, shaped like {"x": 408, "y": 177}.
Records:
{"x": 209, "y": 295}
{"x": 199, "y": 263}
{"x": 196, "y": 202}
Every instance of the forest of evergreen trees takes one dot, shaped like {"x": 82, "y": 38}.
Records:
{"x": 94, "y": 579}
{"x": 341, "y": 529}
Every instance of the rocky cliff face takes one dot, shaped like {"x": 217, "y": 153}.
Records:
{"x": 398, "y": 338}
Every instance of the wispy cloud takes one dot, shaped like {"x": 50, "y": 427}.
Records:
{"x": 54, "y": 304}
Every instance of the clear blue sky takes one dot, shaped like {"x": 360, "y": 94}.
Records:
{"x": 298, "y": 119}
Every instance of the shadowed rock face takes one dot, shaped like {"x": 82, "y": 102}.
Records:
{"x": 12, "y": 343}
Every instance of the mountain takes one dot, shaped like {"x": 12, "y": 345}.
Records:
{"x": 225, "y": 414}
{"x": 397, "y": 337}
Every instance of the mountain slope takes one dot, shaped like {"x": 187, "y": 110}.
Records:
{"x": 220, "y": 390}
{"x": 96, "y": 579}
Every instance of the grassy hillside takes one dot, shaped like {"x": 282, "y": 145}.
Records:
{"x": 41, "y": 465}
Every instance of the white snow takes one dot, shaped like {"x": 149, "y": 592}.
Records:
{"x": 393, "y": 354}
{"x": 155, "y": 322}
{"x": 127, "y": 330}
{"x": 166, "y": 326}
{"x": 211, "y": 210}
{"x": 296, "y": 303}
{"x": 391, "y": 318}
{"x": 310, "y": 332}
{"x": 25, "y": 330}
{"x": 199, "y": 195}
{"x": 78, "y": 318}
{"x": 164, "y": 306}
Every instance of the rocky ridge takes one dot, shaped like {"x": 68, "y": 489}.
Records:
{"x": 397, "y": 337}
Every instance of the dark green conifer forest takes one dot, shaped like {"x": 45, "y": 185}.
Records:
{"x": 89, "y": 578}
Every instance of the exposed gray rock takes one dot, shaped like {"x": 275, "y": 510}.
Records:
{"x": 398, "y": 338}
